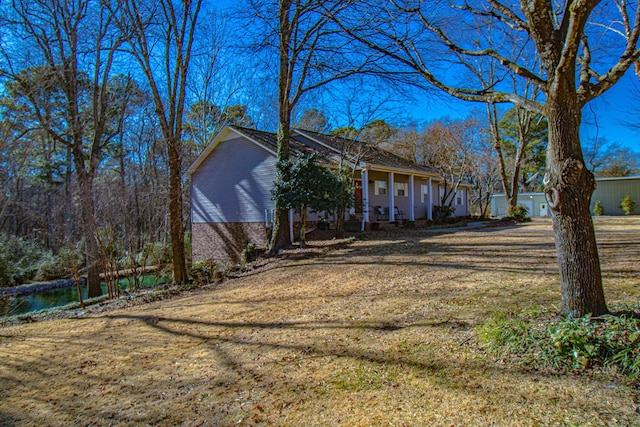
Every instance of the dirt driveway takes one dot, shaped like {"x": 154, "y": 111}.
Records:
{"x": 380, "y": 332}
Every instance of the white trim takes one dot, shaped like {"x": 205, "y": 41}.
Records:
{"x": 392, "y": 212}
{"x": 401, "y": 186}
{"x": 618, "y": 178}
{"x": 364, "y": 176}
{"x": 430, "y": 206}
{"x": 291, "y": 237}
{"x": 424, "y": 199}
{"x": 377, "y": 187}
{"x": 412, "y": 216}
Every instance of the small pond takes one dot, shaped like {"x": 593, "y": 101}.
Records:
{"x": 23, "y": 304}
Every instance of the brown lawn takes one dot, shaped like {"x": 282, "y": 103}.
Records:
{"x": 379, "y": 332}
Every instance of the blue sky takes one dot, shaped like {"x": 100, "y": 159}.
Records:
{"x": 619, "y": 105}
{"x": 604, "y": 117}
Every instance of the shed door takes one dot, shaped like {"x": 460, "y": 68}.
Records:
{"x": 529, "y": 205}
{"x": 543, "y": 209}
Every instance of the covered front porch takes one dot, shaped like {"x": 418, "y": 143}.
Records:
{"x": 391, "y": 196}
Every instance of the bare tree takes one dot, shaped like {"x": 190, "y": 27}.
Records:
{"x": 161, "y": 36}
{"x": 448, "y": 147}
{"x": 484, "y": 174}
{"x": 70, "y": 36}
{"x": 311, "y": 53}
{"x": 519, "y": 138}
{"x": 610, "y": 159}
{"x": 563, "y": 37}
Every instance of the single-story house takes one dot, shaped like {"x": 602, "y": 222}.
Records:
{"x": 609, "y": 191}
{"x": 231, "y": 182}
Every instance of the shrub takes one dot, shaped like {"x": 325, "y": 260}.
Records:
{"x": 67, "y": 263}
{"x": 250, "y": 253}
{"x": 19, "y": 260}
{"x": 567, "y": 344}
{"x": 441, "y": 213}
{"x": 627, "y": 205}
{"x": 205, "y": 272}
{"x": 598, "y": 209}
{"x": 518, "y": 213}
{"x": 159, "y": 255}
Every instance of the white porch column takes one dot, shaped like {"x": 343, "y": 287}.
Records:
{"x": 392, "y": 213}
{"x": 364, "y": 175}
{"x": 430, "y": 206}
{"x": 411, "y": 199}
{"x": 291, "y": 225}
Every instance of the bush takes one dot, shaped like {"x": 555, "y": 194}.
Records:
{"x": 598, "y": 209}
{"x": 518, "y": 213}
{"x": 64, "y": 265}
{"x": 627, "y": 205}
{"x": 19, "y": 260}
{"x": 441, "y": 213}
{"x": 205, "y": 272}
{"x": 250, "y": 253}
{"x": 567, "y": 344}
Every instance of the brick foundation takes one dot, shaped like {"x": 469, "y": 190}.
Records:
{"x": 224, "y": 241}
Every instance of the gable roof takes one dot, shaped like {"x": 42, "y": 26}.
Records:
{"x": 366, "y": 153}
{"x": 330, "y": 148}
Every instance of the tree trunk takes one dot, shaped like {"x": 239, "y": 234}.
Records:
{"x": 280, "y": 233}
{"x": 175, "y": 214}
{"x": 303, "y": 226}
{"x": 87, "y": 208}
{"x": 568, "y": 187}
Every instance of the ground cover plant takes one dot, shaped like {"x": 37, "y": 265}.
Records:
{"x": 381, "y": 331}
{"x": 564, "y": 344}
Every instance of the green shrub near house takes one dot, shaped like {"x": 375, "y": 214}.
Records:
{"x": 598, "y": 209}
{"x": 627, "y": 205}
{"x": 519, "y": 213}
{"x": 205, "y": 272}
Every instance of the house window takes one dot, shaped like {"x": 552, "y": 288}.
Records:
{"x": 402, "y": 189}
{"x": 380, "y": 188}
{"x": 424, "y": 193}
{"x": 460, "y": 197}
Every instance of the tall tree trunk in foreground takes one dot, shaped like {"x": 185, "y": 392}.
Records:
{"x": 569, "y": 186}
{"x": 280, "y": 232}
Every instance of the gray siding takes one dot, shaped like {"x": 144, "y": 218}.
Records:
{"x": 233, "y": 184}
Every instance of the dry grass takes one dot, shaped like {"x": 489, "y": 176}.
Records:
{"x": 380, "y": 332}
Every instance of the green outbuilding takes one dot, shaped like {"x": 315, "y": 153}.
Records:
{"x": 609, "y": 191}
